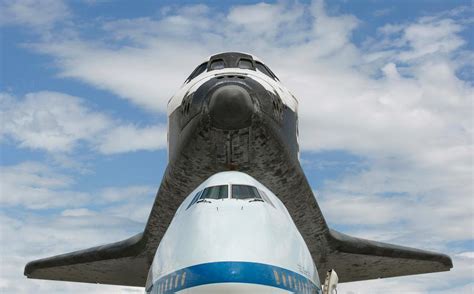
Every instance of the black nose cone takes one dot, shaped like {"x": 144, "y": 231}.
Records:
{"x": 231, "y": 107}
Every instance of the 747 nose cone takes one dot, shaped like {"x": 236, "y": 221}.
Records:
{"x": 230, "y": 108}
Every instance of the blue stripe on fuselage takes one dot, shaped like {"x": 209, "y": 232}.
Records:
{"x": 234, "y": 272}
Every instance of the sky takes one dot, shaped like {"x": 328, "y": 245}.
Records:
{"x": 385, "y": 92}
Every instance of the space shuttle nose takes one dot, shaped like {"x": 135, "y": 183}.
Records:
{"x": 230, "y": 107}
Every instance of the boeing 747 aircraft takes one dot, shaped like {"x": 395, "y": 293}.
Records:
{"x": 234, "y": 212}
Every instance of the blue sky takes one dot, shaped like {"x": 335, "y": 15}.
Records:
{"x": 385, "y": 94}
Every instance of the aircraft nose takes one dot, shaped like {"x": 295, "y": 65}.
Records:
{"x": 230, "y": 107}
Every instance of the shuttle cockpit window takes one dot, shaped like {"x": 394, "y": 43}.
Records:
{"x": 216, "y": 192}
{"x": 245, "y": 192}
{"x": 245, "y": 63}
{"x": 265, "y": 70}
{"x": 217, "y": 64}
{"x": 199, "y": 70}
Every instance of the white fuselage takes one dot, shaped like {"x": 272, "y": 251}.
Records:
{"x": 232, "y": 246}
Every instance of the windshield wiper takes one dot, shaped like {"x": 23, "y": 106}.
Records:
{"x": 256, "y": 199}
{"x": 203, "y": 200}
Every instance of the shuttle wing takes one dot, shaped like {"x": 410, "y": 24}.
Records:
{"x": 118, "y": 263}
{"x": 126, "y": 262}
{"x": 356, "y": 259}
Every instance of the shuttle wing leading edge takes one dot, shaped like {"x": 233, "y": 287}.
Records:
{"x": 117, "y": 263}
{"x": 356, "y": 259}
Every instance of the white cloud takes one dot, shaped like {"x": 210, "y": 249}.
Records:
{"x": 52, "y": 121}
{"x": 138, "y": 211}
{"x": 263, "y": 19}
{"x": 27, "y": 235}
{"x": 58, "y": 122}
{"x": 130, "y": 138}
{"x": 36, "y": 186}
{"x": 132, "y": 202}
{"x": 416, "y": 204}
{"x": 469, "y": 255}
{"x": 38, "y": 236}
{"x": 346, "y": 207}
{"x": 33, "y": 13}
{"x": 432, "y": 36}
{"x": 116, "y": 194}
{"x": 77, "y": 212}
{"x": 148, "y": 77}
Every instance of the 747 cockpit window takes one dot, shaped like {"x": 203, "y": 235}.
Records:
{"x": 241, "y": 192}
{"x": 216, "y": 192}
{"x": 195, "y": 198}
{"x": 266, "y": 198}
{"x": 245, "y": 192}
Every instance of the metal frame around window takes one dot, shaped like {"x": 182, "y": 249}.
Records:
{"x": 230, "y": 195}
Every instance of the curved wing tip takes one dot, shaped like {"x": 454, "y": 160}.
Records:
{"x": 446, "y": 260}
{"x": 29, "y": 268}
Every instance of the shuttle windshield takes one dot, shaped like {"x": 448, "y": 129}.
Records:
{"x": 246, "y": 64}
{"x": 265, "y": 70}
{"x": 242, "y": 61}
{"x": 217, "y": 64}
{"x": 199, "y": 70}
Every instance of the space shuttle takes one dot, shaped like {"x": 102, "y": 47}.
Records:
{"x": 234, "y": 212}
